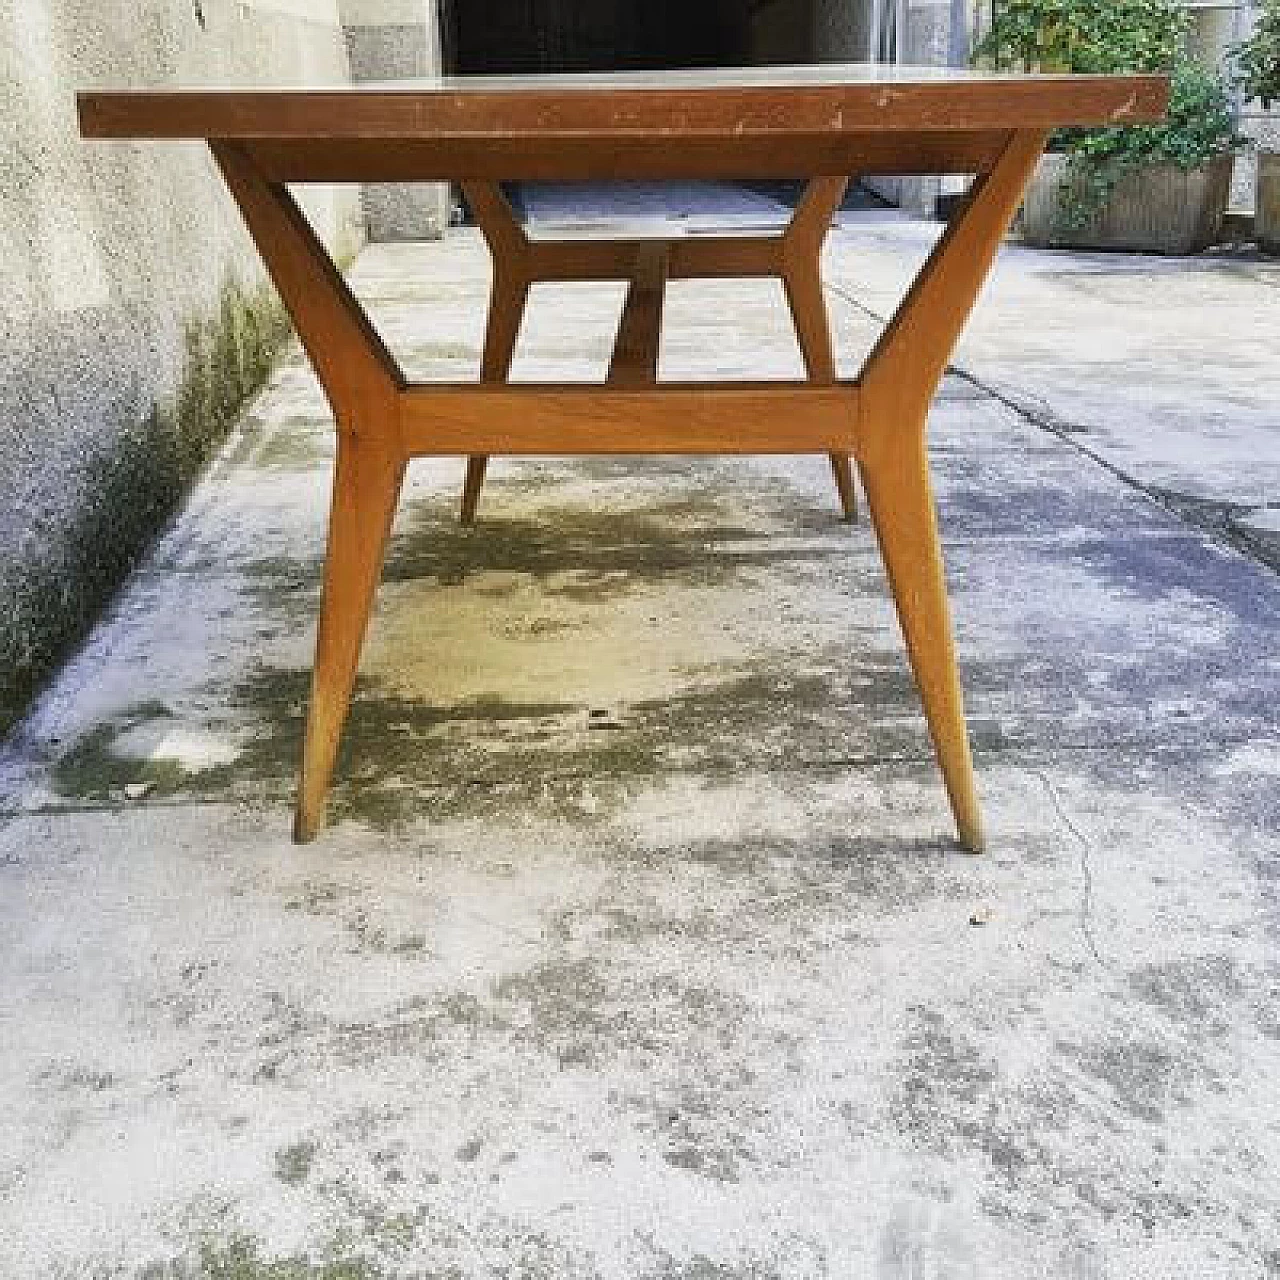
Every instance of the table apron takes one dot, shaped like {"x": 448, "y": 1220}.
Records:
{"x": 566, "y": 157}
{"x": 532, "y": 419}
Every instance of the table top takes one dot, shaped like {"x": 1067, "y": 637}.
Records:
{"x": 829, "y": 99}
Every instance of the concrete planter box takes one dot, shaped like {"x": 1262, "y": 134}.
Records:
{"x": 1266, "y": 222}
{"x": 1155, "y": 209}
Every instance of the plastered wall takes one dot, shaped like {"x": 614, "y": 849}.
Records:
{"x": 134, "y": 316}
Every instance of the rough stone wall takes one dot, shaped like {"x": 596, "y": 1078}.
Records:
{"x": 134, "y": 316}
{"x": 397, "y": 40}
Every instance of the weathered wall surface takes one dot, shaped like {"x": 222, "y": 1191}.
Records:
{"x": 841, "y": 31}
{"x": 134, "y": 316}
{"x": 397, "y": 40}
{"x": 1261, "y": 127}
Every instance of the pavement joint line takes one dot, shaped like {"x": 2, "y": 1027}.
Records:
{"x": 1223, "y": 535}
{"x": 1086, "y": 867}
{"x": 1018, "y": 753}
{"x": 1240, "y": 543}
{"x": 161, "y": 572}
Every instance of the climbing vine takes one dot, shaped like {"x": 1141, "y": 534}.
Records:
{"x": 1107, "y": 37}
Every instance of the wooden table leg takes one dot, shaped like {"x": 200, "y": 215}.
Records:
{"x": 802, "y": 279}
{"x": 367, "y": 390}
{"x": 366, "y": 489}
{"x": 508, "y": 296}
{"x": 636, "y": 348}
{"x": 898, "y": 383}
{"x": 363, "y": 385}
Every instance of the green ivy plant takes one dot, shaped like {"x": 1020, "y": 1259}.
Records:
{"x": 1107, "y": 37}
{"x": 1258, "y": 58}
{"x": 1198, "y": 127}
{"x": 1096, "y": 37}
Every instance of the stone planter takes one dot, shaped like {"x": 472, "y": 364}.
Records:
{"x": 1266, "y": 221}
{"x": 1155, "y": 209}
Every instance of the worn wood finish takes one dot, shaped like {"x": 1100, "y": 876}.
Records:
{"x": 636, "y": 348}
{"x": 735, "y": 107}
{"x": 506, "y": 158}
{"x": 366, "y": 487}
{"x": 759, "y": 122}
{"x": 823, "y": 121}
{"x": 802, "y": 281}
{"x": 689, "y": 258}
{"x": 350, "y": 359}
{"x": 802, "y": 274}
{"x": 508, "y": 296}
{"x": 898, "y": 383}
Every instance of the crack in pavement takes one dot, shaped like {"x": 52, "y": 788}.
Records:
{"x": 1086, "y": 867}
{"x": 1222, "y": 532}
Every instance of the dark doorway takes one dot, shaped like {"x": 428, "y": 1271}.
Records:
{"x": 499, "y": 37}
{"x": 526, "y": 37}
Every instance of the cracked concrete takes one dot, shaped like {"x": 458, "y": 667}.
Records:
{"x": 709, "y": 992}
{"x": 1197, "y": 432}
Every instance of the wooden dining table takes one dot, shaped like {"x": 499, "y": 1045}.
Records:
{"x": 824, "y": 124}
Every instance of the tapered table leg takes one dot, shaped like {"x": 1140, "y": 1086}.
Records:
{"x": 366, "y": 488}
{"x": 362, "y": 382}
{"x": 802, "y": 280}
{"x": 508, "y": 297}
{"x": 900, "y": 499}
{"x": 898, "y": 383}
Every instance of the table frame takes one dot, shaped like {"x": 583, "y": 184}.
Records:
{"x": 647, "y": 264}
{"x": 879, "y": 419}
{"x": 821, "y": 122}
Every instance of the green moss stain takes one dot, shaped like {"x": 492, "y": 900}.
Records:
{"x": 426, "y": 352}
{"x": 402, "y": 758}
{"x": 293, "y": 1163}
{"x": 295, "y": 451}
{"x": 589, "y": 553}
{"x": 241, "y": 1258}
{"x": 157, "y": 453}
{"x": 93, "y": 769}
{"x": 407, "y": 755}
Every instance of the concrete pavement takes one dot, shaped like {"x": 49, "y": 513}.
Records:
{"x": 1163, "y": 370}
{"x": 707, "y": 991}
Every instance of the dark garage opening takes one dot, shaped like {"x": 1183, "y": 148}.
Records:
{"x": 513, "y": 37}
{"x": 498, "y": 37}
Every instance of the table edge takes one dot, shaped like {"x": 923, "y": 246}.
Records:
{"x": 749, "y": 111}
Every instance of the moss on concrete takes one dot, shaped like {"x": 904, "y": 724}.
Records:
{"x": 156, "y": 454}
{"x": 241, "y": 1258}
{"x": 93, "y": 769}
{"x": 402, "y": 757}
{"x": 293, "y": 1163}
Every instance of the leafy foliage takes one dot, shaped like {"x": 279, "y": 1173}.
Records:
{"x": 1108, "y": 37}
{"x": 1198, "y": 127}
{"x": 1258, "y": 58}
{"x": 1095, "y": 37}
